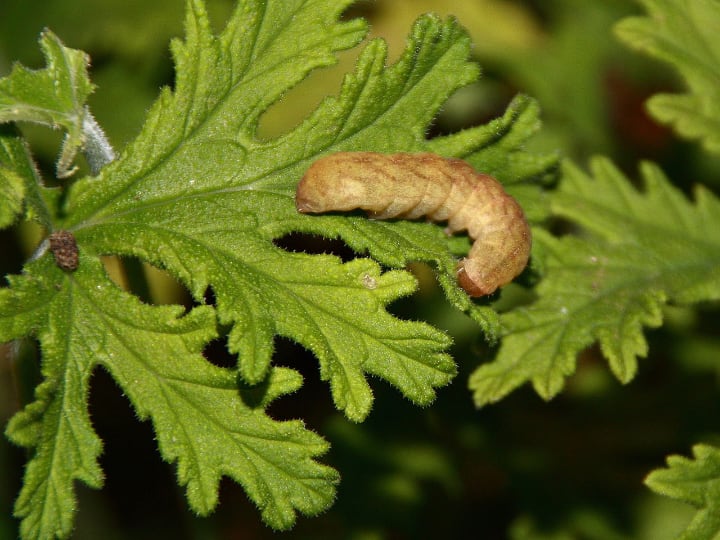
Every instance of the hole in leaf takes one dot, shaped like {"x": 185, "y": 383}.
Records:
{"x": 362, "y": 8}
{"x": 470, "y": 106}
{"x": 313, "y": 401}
{"x": 313, "y": 244}
{"x": 147, "y": 282}
{"x": 253, "y": 395}
{"x": 216, "y": 352}
{"x": 209, "y": 298}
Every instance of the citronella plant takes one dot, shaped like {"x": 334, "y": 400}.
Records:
{"x": 197, "y": 193}
{"x": 200, "y": 195}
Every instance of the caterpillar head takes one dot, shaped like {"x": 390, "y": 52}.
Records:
{"x": 333, "y": 183}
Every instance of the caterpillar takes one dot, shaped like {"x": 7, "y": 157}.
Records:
{"x": 409, "y": 186}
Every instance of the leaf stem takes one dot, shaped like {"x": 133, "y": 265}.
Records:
{"x": 97, "y": 149}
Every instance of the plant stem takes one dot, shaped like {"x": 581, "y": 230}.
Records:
{"x": 98, "y": 151}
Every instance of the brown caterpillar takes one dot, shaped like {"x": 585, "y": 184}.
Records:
{"x": 409, "y": 186}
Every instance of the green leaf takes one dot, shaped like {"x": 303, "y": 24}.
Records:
{"x": 214, "y": 224}
{"x": 642, "y": 249}
{"x": 677, "y": 238}
{"x": 155, "y": 356}
{"x": 20, "y": 182}
{"x": 12, "y": 187}
{"x": 54, "y": 97}
{"x": 696, "y": 482}
{"x": 198, "y": 194}
{"x": 12, "y": 192}
{"x": 685, "y": 34}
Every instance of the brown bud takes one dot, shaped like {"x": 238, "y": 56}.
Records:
{"x": 65, "y": 250}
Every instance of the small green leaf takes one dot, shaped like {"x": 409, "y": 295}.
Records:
{"x": 54, "y": 96}
{"x": 12, "y": 191}
{"x": 643, "y": 248}
{"x": 685, "y": 34}
{"x": 696, "y": 482}
{"x": 20, "y": 182}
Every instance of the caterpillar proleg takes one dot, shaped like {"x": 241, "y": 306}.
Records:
{"x": 410, "y": 186}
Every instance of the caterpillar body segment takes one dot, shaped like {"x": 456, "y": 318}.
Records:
{"x": 410, "y": 186}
